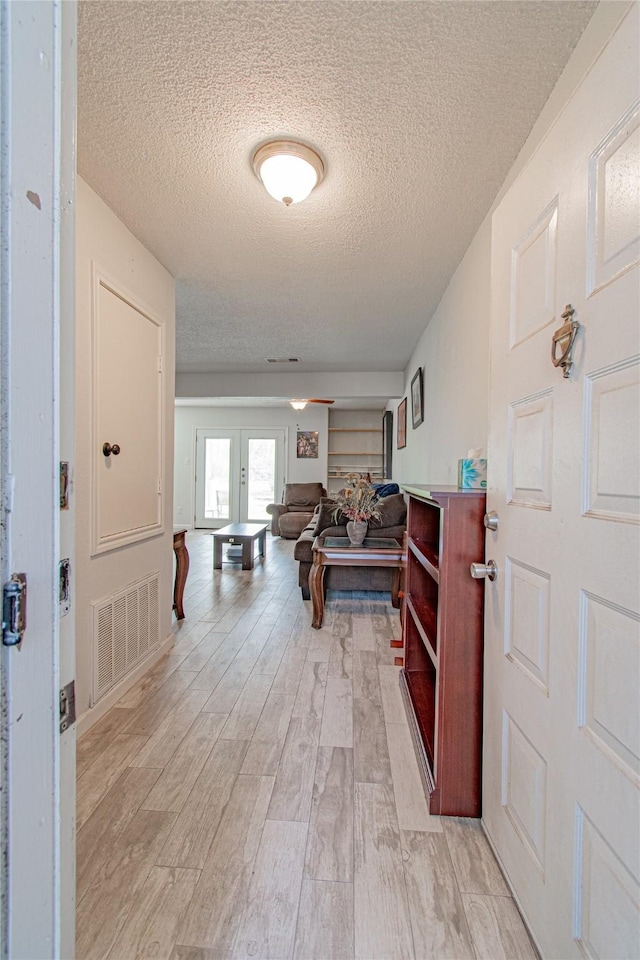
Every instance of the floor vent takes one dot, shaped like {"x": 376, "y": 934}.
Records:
{"x": 126, "y": 628}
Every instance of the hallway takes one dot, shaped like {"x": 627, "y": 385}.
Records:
{"x": 256, "y": 794}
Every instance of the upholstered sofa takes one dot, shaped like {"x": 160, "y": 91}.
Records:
{"x": 299, "y": 500}
{"x": 391, "y": 525}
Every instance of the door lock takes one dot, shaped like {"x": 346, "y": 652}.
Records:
{"x": 481, "y": 570}
{"x": 491, "y": 520}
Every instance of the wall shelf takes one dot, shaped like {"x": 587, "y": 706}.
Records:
{"x": 355, "y": 441}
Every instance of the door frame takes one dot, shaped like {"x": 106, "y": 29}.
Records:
{"x": 38, "y": 95}
{"x": 238, "y": 436}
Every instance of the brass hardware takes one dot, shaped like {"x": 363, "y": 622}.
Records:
{"x": 481, "y": 570}
{"x": 109, "y": 449}
{"x": 491, "y": 520}
{"x": 565, "y": 335}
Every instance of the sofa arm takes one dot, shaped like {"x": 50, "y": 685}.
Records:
{"x": 275, "y": 510}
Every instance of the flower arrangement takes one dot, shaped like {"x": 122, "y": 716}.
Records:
{"x": 357, "y": 500}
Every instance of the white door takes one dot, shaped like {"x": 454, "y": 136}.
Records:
{"x": 38, "y": 796}
{"x": 238, "y": 472}
{"x": 562, "y": 726}
{"x": 128, "y": 403}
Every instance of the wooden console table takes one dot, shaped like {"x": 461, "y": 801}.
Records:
{"x": 182, "y": 569}
{"x": 340, "y": 552}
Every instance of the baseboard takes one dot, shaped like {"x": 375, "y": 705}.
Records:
{"x": 511, "y": 890}
{"x": 93, "y": 714}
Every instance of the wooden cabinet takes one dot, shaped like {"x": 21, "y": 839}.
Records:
{"x": 443, "y": 644}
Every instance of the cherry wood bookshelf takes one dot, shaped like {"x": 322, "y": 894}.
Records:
{"x": 443, "y": 644}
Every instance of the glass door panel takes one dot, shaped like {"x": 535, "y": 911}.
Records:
{"x": 260, "y": 476}
{"x": 217, "y": 478}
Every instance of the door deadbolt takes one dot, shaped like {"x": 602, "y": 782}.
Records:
{"x": 491, "y": 521}
{"x": 481, "y": 570}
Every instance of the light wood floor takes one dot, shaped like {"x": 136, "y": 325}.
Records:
{"x": 256, "y": 794}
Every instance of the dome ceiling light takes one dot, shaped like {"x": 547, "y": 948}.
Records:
{"x": 288, "y": 170}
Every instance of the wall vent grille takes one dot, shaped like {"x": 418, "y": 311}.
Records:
{"x": 126, "y": 628}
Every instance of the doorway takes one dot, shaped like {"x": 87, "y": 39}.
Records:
{"x": 238, "y": 472}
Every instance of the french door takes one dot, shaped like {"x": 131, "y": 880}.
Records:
{"x": 238, "y": 472}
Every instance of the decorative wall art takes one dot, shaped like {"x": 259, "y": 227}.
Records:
{"x": 417, "y": 399}
{"x": 402, "y": 424}
{"x": 307, "y": 445}
{"x": 387, "y": 444}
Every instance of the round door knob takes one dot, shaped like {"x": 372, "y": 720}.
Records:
{"x": 481, "y": 570}
{"x": 491, "y": 520}
{"x": 108, "y": 449}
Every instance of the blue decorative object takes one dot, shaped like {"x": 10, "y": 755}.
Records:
{"x": 385, "y": 489}
{"x": 472, "y": 474}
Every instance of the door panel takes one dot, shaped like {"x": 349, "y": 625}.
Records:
{"x": 128, "y": 412}
{"x": 562, "y": 630}
{"x": 259, "y": 469}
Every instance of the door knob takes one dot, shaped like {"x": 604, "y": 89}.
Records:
{"x": 109, "y": 449}
{"x": 481, "y": 570}
{"x": 491, "y": 520}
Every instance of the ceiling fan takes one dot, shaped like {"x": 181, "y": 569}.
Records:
{"x": 301, "y": 404}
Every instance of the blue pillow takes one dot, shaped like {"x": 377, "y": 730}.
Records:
{"x": 385, "y": 489}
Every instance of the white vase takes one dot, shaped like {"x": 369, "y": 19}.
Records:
{"x": 357, "y": 530}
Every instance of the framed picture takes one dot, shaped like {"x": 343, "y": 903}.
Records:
{"x": 307, "y": 445}
{"x": 417, "y": 399}
{"x": 387, "y": 444}
{"x": 402, "y": 424}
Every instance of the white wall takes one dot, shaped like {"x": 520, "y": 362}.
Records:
{"x": 102, "y": 238}
{"x": 188, "y": 419}
{"x": 454, "y": 355}
{"x": 454, "y": 349}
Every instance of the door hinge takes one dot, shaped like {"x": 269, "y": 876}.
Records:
{"x": 67, "y": 706}
{"x": 14, "y": 610}
{"x": 160, "y": 363}
{"x": 159, "y": 485}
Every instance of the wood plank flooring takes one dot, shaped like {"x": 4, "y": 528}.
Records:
{"x": 256, "y": 794}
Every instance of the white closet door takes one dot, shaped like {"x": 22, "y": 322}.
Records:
{"x": 128, "y": 412}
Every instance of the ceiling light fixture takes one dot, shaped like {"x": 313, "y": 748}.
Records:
{"x": 288, "y": 170}
{"x": 298, "y": 404}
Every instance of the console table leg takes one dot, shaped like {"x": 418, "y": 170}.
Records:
{"x": 395, "y": 588}
{"x": 182, "y": 569}
{"x": 217, "y": 553}
{"x": 316, "y": 586}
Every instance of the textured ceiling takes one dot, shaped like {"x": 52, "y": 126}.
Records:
{"x": 418, "y": 108}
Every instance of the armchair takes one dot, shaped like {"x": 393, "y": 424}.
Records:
{"x": 299, "y": 500}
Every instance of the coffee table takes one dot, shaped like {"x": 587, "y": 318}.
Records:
{"x": 340, "y": 552}
{"x": 245, "y": 534}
